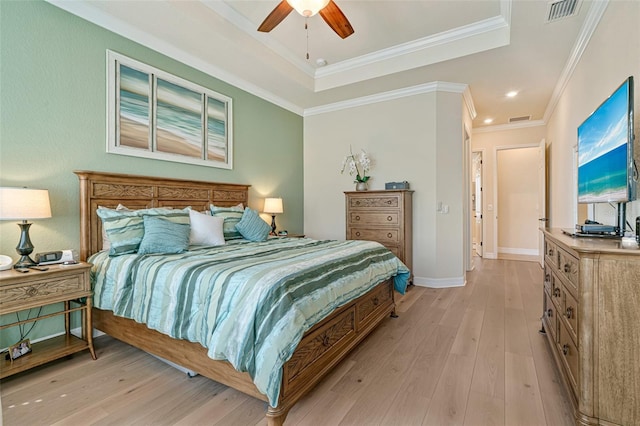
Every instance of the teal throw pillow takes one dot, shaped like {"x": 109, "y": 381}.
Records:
{"x": 252, "y": 227}
{"x": 164, "y": 236}
{"x": 125, "y": 228}
{"x": 231, "y": 217}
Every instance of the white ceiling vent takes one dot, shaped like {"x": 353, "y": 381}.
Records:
{"x": 517, "y": 119}
{"x": 557, "y": 10}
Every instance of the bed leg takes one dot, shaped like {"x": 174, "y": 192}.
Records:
{"x": 276, "y": 416}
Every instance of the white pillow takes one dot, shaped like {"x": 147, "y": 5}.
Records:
{"x": 205, "y": 229}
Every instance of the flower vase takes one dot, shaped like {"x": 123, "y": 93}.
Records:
{"x": 361, "y": 186}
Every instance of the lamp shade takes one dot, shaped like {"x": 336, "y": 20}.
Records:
{"x": 308, "y": 7}
{"x": 273, "y": 205}
{"x": 24, "y": 203}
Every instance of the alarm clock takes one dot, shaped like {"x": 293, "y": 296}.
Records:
{"x": 52, "y": 257}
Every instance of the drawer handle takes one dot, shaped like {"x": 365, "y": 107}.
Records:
{"x": 358, "y": 234}
{"x": 567, "y": 267}
{"x": 389, "y": 235}
{"x": 550, "y": 251}
{"x": 376, "y": 301}
{"x": 569, "y": 312}
{"x": 547, "y": 278}
{"x": 357, "y": 217}
{"x": 549, "y": 313}
{"x": 389, "y": 202}
{"x": 389, "y": 218}
{"x": 325, "y": 341}
{"x": 32, "y": 291}
{"x": 556, "y": 292}
{"x": 565, "y": 349}
{"x": 357, "y": 203}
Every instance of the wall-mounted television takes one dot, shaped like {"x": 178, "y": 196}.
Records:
{"x": 605, "y": 150}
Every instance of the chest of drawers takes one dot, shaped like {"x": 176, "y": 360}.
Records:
{"x": 382, "y": 216}
{"x": 591, "y": 316}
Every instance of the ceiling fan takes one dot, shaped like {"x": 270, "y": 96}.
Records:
{"x": 328, "y": 10}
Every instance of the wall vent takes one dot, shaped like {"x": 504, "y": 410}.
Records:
{"x": 516, "y": 119}
{"x": 557, "y": 10}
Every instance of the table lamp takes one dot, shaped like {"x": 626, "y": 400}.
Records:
{"x": 23, "y": 204}
{"x": 273, "y": 206}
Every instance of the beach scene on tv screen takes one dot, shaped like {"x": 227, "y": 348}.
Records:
{"x": 603, "y": 152}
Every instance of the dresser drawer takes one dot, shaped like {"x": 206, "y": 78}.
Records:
{"x": 371, "y": 218}
{"x": 551, "y": 317}
{"x": 570, "y": 313}
{"x": 384, "y": 236}
{"x": 556, "y": 291}
{"x": 551, "y": 253}
{"x": 568, "y": 267}
{"x": 42, "y": 291}
{"x": 548, "y": 286}
{"x": 569, "y": 356}
{"x": 365, "y": 202}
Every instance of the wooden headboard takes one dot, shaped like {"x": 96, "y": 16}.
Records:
{"x": 139, "y": 192}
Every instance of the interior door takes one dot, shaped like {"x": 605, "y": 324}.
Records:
{"x": 477, "y": 213}
{"x": 542, "y": 197}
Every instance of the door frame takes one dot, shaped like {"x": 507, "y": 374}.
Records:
{"x": 495, "y": 187}
{"x": 481, "y": 151}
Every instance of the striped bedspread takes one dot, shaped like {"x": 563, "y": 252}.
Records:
{"x": 248, "y": 303}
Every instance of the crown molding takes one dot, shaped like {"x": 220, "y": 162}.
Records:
{"x": 480, "y": 36}
{"x": 85, "y": 11}
{"x": 436, "y": 86}
{"x": 486, "y": 34}
{"x": 594, "y": 15}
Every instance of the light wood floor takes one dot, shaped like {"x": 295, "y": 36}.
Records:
{"x": 466, "y": 356}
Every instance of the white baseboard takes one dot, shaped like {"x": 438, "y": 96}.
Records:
{"x": 523, "y": 251}
{"x": 439, "y": 282}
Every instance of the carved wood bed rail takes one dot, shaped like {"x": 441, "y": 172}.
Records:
{"x": 321, "y": 348}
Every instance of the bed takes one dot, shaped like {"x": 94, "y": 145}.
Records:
{"x": 316, "y": 352}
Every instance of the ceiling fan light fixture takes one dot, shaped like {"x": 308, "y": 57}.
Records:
{"x": 308, "y": 8}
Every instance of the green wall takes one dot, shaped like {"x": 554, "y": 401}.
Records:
{"x": 53, "y": 121}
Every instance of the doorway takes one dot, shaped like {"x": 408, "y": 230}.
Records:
{"x": 476, "y": 203}
{"x": 516, "y": 202}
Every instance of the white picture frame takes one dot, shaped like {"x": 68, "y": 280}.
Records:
{"x": 157, "y": 115}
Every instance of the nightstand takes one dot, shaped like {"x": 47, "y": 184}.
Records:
{"x": 67, "y": 284}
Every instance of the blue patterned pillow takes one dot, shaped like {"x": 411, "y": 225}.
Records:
{"x": 232, "y": 216}
{"x": 252, "y": 227}
{"x": 164, "y": 236}
{"x": 125, "y": 228}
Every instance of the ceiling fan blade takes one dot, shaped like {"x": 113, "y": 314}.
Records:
{"x": 339, "y": 23}
{"x": 275, "y": 17}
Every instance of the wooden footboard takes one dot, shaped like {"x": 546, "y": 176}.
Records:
{"x": 321, "y": 348}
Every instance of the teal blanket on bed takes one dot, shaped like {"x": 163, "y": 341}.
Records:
{"x": 248, "y": 303}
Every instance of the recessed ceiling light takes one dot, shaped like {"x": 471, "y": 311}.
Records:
{"x": 512, "y": 94}
{"x": 488, "y": 120}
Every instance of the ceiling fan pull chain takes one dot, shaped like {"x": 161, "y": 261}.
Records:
{"x": 306, "y": 28}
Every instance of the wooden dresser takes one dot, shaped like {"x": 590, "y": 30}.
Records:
{"x": 591, "y": 316}
{"x": 382, "y": 216}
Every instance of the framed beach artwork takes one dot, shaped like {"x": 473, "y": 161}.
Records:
{"x": 156, "y": 115}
